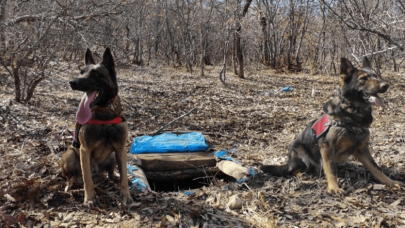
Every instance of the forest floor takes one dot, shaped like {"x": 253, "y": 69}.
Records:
{"x": 250, "y": 118}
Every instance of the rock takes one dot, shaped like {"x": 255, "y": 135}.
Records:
{"x": 233, "y": 169}
{"x": 235, "y": 203}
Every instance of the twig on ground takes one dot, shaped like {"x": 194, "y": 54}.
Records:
{"x": 8, "y": 113}
{"x": 171, "y": 122}
{"x": 50, "y": 147}
{"x": 130, "y": 105}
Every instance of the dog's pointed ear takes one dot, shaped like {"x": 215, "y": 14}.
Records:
{"x": 89, "y": 57}
{"x": 108, "y": 60}
{"x": 346, "y": 70}
{"x": 346, "y": 66}
{"x": 366, "y": 63}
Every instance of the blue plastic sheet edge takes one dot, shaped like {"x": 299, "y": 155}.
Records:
{"x": 188, "y": 193}
{"x": 135, "y": 181}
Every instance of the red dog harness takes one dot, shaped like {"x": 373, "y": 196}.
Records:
{"x": 321, "y": 126}
{"x": 76, "y": 142}
{"x": 116, "y": 120}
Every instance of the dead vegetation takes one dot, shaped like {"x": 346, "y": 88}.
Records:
{"x": 250, "y": 118}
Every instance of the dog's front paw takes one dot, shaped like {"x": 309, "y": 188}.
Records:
{"x": 126, "y": 197}
{"x": 337, "y": 191}
{"x": 396, "y": 185}
{"x": 90, "y": 203}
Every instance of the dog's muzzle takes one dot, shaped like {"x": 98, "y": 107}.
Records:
{"x": 74, "y": 84}
{"x": 384, "y": 87}
{"x": 81, "y": 84}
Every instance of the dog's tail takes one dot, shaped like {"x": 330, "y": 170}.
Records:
{"x": 275, "y": 170}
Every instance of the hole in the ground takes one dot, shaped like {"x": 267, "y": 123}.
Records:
{"x": 182, "y": 184}
{"x": 178, "y": 185}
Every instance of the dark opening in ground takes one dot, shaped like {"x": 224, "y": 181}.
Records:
{"x": 179, "y": 185}
{"x": 183, "y": 184}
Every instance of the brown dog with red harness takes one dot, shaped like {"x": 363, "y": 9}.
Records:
{"x": 101, "y": 132}
{"x": 342, "y": 132}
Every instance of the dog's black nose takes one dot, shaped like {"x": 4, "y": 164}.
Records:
{"x": 73, "y": 82}
{"x": 384, "y": 86}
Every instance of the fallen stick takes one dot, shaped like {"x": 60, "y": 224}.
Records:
{"x": 7, "y": 113}
{"x": 171, "y": 122}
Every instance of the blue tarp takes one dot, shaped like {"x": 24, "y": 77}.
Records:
{"x": 169, "y": 143}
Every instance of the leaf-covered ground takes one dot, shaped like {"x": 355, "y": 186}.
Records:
{"x": 249, "y": 118}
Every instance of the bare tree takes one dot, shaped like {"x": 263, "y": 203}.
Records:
{"x": 383, "y": 19}
{"x": 222, "y": 73}
{"x": 203, "y": 34}
{"x": 237, "y": 36}
{"x": 288, "y": 35}
{"x": 27, "y": 50}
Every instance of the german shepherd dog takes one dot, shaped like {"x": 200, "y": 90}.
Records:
{"x": 101, "y": 130}
{"x": 345, "y": 133}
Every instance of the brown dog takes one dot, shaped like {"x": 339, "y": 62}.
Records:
{"x": 70, "y": 165}
{"x": 100, "y": 128}
{"x": 344, "y": 132}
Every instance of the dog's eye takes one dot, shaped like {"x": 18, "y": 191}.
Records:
{"x": 363, "y": 78}
{"x": 82, "y": 71}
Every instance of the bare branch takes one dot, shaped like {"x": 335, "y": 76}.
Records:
{"x": 352, "y": 24}
{"x": 173, "y": 121}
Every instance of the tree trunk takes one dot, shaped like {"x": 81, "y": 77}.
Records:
{"x": 290, "y": 34}
{"x": 239, "y": 53}
{"x": 140, "y": 42}
{"x": 17, "y": 84}
{"x": 32, "y": 86}
{"x": 234, "y": 59}
{"x": 202, "y": 44}
{"x": 170, "y": 40}
{"x": 266, "y": 52}
{"x": 237, "y": 36}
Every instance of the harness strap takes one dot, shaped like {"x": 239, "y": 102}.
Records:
{"x": 76, "y": 141}
{"x": 321, "y": 126}
{"x": 116, "y": 120}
